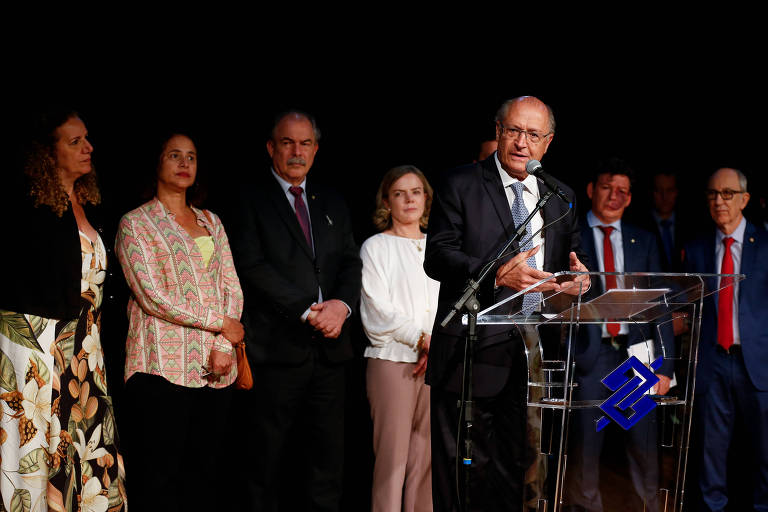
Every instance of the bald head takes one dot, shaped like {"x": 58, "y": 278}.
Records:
{"x": 529, "y": 101}
{"x": 727, "y": 213}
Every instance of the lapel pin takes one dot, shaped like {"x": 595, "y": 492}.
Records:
{"x": 313, "y": 197}
{"x": 632, "y": 240}
{"x": 751, "y": 240}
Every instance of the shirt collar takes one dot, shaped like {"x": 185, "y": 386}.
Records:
{"x": 529, "y": 182}
{"x": 285, "y": 185}
{"x": 199, "y": 215}
{"x": 659, "y": 220}
{"x": 593, "y": 222}
{"x": 737, "y": 235}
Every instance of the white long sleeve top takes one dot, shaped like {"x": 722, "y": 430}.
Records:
{"x": 398, "y": 301}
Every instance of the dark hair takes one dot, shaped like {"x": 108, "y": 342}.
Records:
{"x": 198, "y": 192}
{"x": 382, "y": 217}
{"x": 612, "y": 166}
{"x": 40, "y": 165}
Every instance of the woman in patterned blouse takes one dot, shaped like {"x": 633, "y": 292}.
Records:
{"x": 183, "y": 322}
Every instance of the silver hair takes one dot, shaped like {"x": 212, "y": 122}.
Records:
{"x": 504, "y": 109}
{"x": 739, "y": 174}
{"x": 299, "y": 114}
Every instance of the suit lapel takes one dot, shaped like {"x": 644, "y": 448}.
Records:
{"x": 495, "y": 191}
{"x": 288, "y": 216}
{"x": 319, "y": 219}
{"x": 748, "y": 254}
{"x": 549, "y": 213}
{"x": 628, "y": 245}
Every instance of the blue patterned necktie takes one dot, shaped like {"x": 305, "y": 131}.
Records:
{"x": 519, "y": 214}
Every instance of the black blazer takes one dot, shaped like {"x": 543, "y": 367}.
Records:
{"x": 469, "y": 223}
{"x": 641, "y": 254}
{"x": 41, "y": 259}
{"x": 280, "y": 275}
{"x": 682, "y": 235}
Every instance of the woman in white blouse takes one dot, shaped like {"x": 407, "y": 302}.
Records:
{"x": 398, "y": 303}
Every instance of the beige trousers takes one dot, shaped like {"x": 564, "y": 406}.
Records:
{"x": 402, "y": 473}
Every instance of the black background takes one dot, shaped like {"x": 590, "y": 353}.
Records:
{"x": 683, "y": 107}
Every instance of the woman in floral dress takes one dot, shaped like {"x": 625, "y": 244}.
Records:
{"x": 58, "y": 442}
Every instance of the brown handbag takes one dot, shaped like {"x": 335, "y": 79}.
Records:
{"x": 244, "y": 379}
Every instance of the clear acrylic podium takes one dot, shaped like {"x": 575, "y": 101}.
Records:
{"x": 598, "y": 431}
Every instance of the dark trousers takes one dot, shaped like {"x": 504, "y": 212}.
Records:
{"x": 294, "y": 407}
{"x": 499, "y": 447}
{"x": 730, "y": 396}
{"x": 177, "y": 447}
{"x": 585, "y": 445}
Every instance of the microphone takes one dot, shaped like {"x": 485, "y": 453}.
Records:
{"x": 534, "y": 168}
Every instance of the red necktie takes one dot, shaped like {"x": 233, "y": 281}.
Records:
{"x": 301, "y": 213}
{"x": 725, "y": 299}
{"x": 610, "y": 281}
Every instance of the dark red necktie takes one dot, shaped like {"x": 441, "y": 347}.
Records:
{"x": 725, "y": 299}
{"x": 608, "y": 266}
{"x": 301, "y": 213}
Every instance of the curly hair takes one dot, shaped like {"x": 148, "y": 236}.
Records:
{"x": 382, "y": 217}
{"x": 40, "y": 167}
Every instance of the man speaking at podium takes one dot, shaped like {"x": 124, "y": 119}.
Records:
{"x": 476, "y": 210}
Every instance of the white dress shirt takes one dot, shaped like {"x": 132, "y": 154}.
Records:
{"x": 530, "y": 198}
{"x": 736, "y": 247}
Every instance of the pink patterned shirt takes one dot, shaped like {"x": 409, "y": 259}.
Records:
{"x": 178, "y": 304}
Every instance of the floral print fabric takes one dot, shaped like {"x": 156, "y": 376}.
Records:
{"x": 58, "y": 443}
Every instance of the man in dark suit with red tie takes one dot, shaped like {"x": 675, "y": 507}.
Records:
{"x": 732, "y": 370}
{"x": 615, "y": 246}
{"x": 301, "y": 275}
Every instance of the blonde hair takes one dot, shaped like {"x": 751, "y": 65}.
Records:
{"x": 40, "y": 167}
{"x": 382, "y": 217}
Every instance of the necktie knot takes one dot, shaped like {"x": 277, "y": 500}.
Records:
{"x": 607, "y": 230}
{"x": 728, "y": 241}
{"x": 296, "y": 191}
{"x": 665, "y": 223}
{"x": 517, "y": 188}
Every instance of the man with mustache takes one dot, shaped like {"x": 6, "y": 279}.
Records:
{"x": 732, "y": 370}
{"x": 301, "y": 274}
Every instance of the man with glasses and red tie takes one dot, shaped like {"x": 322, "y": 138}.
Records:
{"x": 732, "y": 371}
{"x": 614, "y": 246}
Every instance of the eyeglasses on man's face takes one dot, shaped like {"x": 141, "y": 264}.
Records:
{"x": 514, "y": 133}
{"x": 727, "y": 194}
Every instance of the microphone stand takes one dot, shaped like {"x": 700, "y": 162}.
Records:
{"x": 469, "y": 302}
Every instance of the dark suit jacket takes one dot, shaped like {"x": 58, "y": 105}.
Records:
{"x": 469, "y": 223}
{"x": 753, "y": 305}
{"x": 280, "y": 276}
{"x": 681, "y": 231}
{"x": 641, "y": 254}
